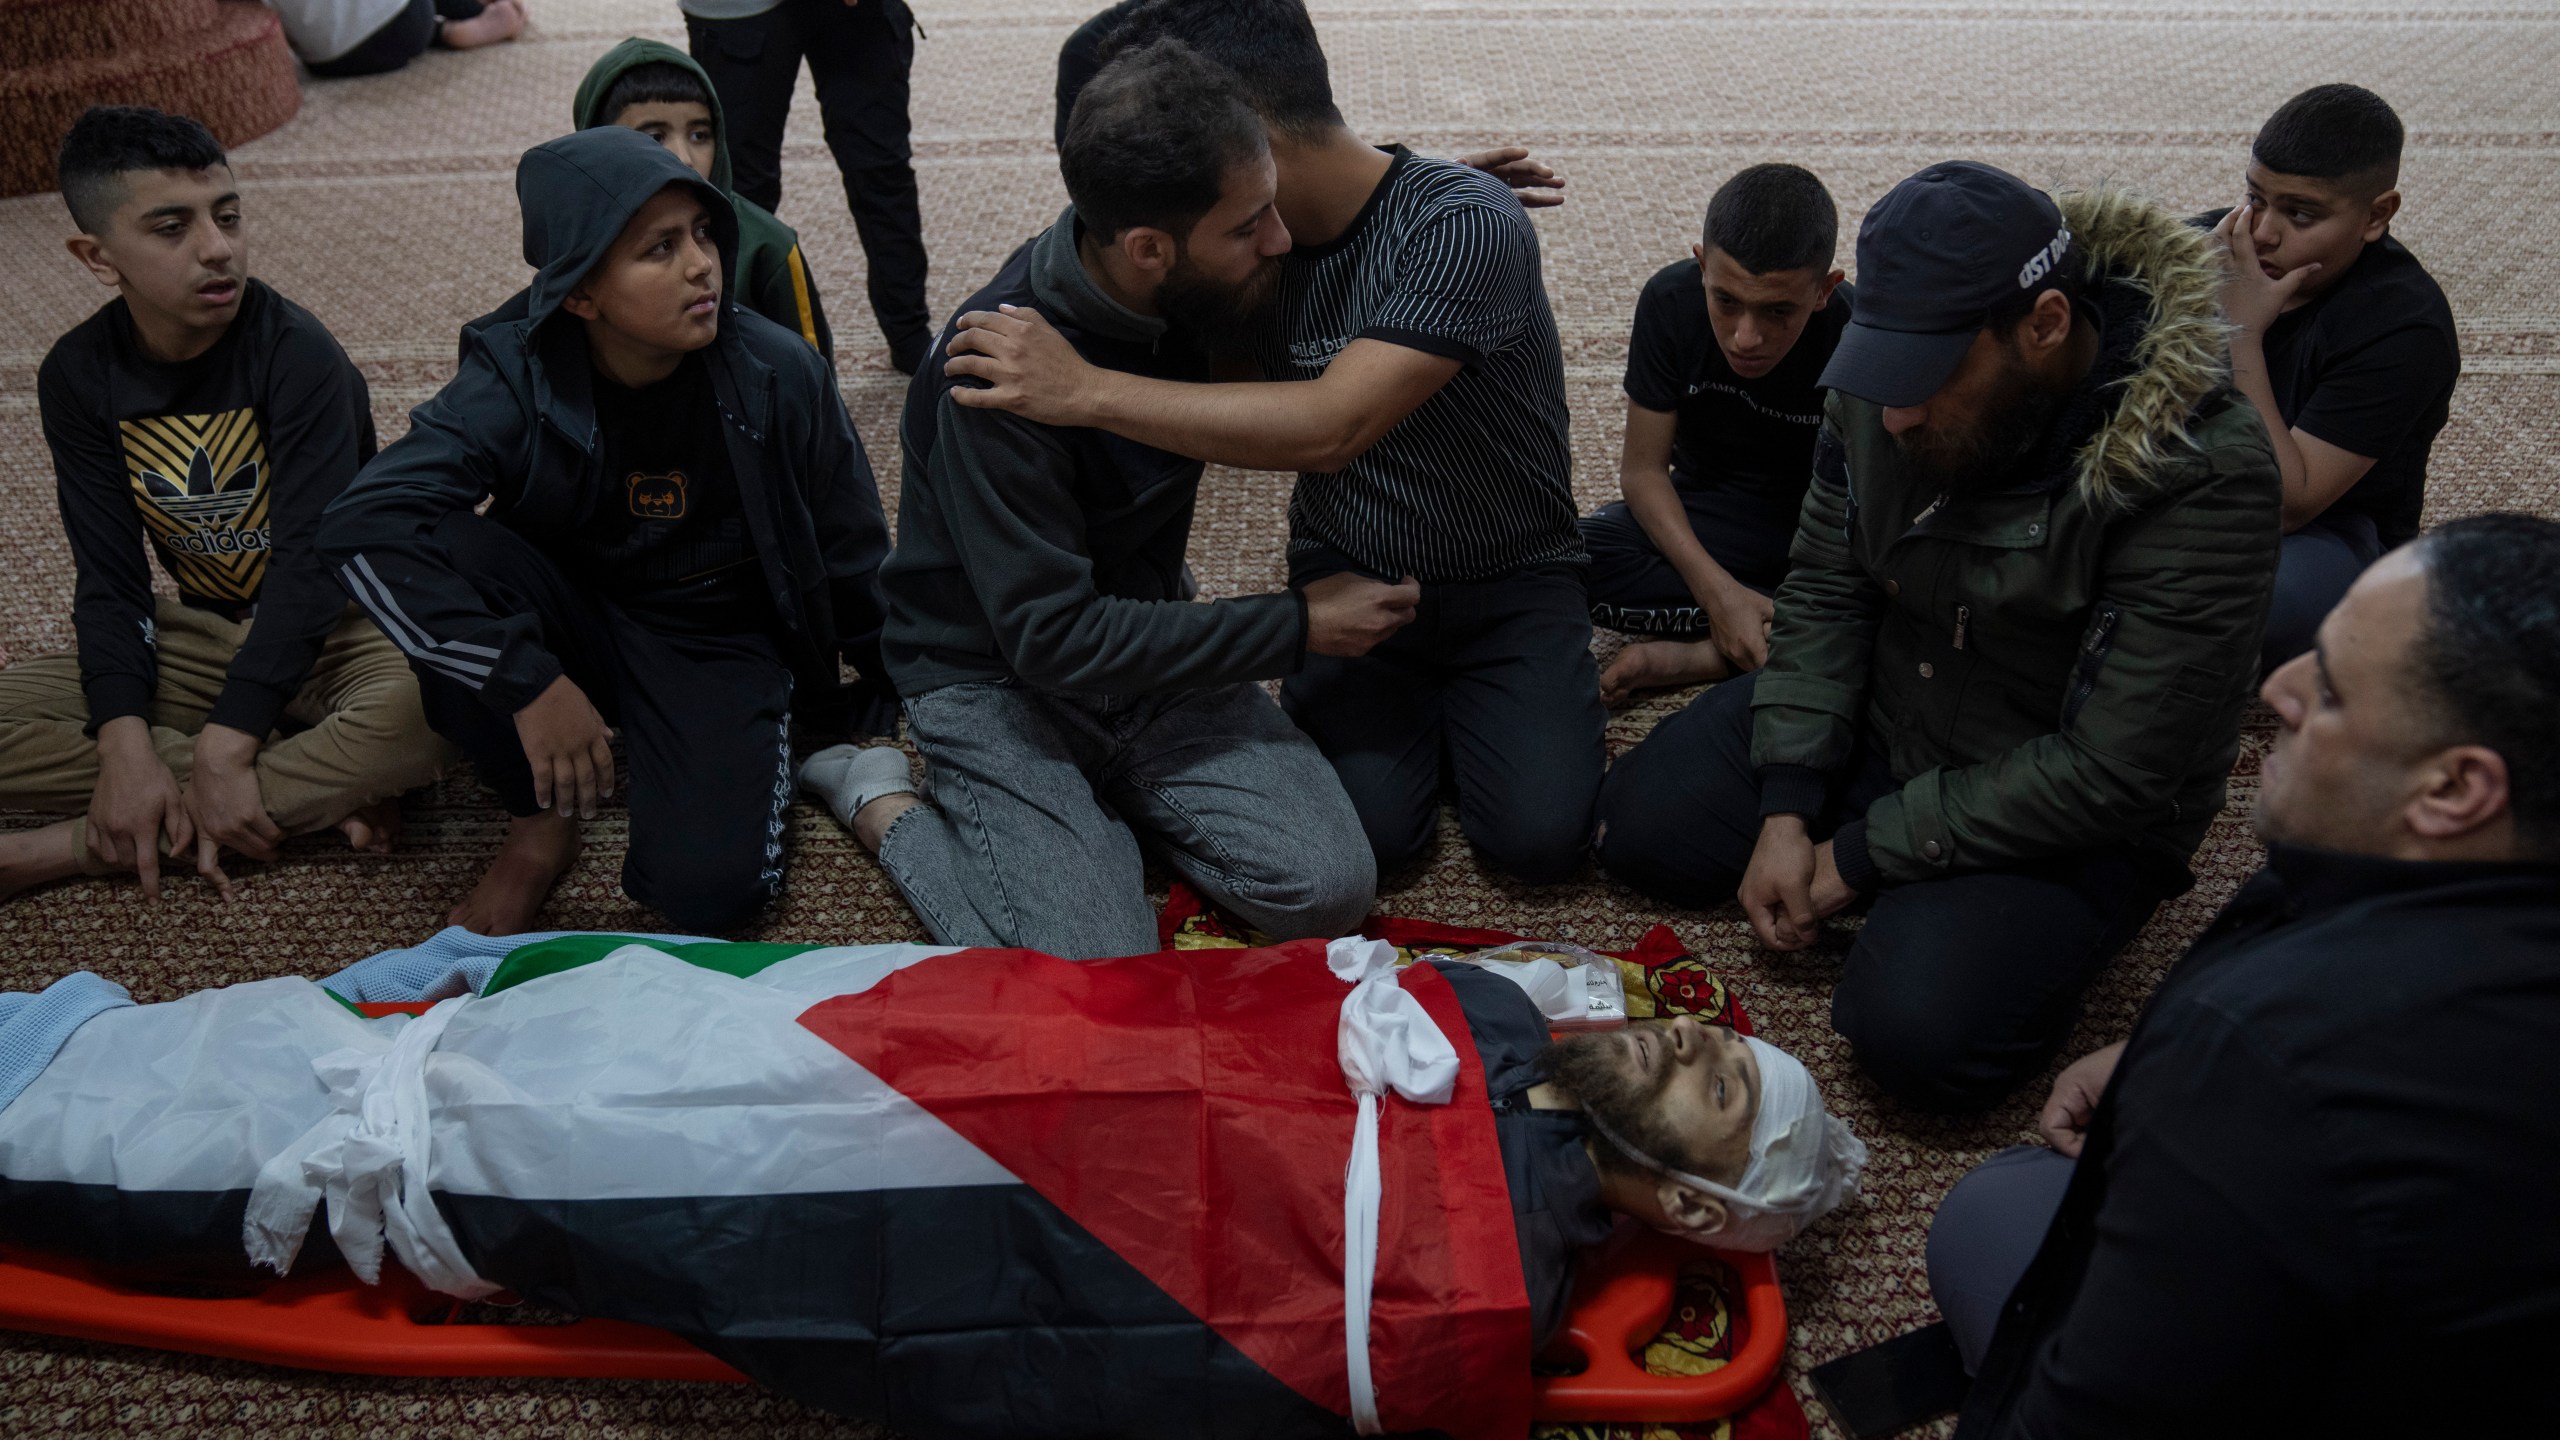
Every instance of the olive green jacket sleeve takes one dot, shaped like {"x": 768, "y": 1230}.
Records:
{"x": 1808, "y": 701}
{"x": 2156, "y": 697}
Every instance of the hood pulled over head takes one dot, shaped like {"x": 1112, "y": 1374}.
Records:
{"x": 579, "y": 191}
{"x": 630, "y": 55}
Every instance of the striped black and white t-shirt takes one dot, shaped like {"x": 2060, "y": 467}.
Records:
{"x": 1477, "y": 482}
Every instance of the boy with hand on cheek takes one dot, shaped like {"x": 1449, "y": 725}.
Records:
{"x": 681, "y": 538}
{"x": 2341, "y": 339}
{"x": 659, "y": 91}
{"x": 203, "y": 417}
{"x": 1724, "y": 400}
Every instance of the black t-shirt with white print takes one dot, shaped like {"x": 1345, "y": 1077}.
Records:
{"x": 667, "y": 538}
{"x": 1741, "y": 450}
{"x": 1477, "y": 481}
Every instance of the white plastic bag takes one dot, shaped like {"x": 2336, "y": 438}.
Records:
{"x": 1576, "y": 989}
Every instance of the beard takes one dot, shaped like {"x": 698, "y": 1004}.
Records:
{"x": 1219, "y": 316}
{"x": 1595, "y": 1069}
{"x": 1974, "y": 455}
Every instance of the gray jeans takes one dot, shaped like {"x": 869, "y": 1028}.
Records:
{"x": 1039, "y": 799}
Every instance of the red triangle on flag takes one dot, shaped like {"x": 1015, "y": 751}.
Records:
{"x": 1187, "y": 1110}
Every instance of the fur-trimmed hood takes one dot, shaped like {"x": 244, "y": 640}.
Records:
{"x": 2183, "y": 354}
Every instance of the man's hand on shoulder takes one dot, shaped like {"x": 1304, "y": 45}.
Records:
{"x": 2064, "y": 1121}
{"x": 222, "y": 799}
{"x": 137, "y": 814}
{"x": 1349, "y": 614}
{"x": 1025, "y": 367}
{"x": 1538, "y": 186}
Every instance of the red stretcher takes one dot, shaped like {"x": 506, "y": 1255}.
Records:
{"x": 332, "y": 1321}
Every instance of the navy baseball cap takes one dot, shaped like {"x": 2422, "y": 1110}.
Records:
{"x": 1936, "y": 256}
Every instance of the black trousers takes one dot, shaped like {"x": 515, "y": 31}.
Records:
{"x": 858, "y": 58}
{"x": 705, "y": 725}
{"x": 403, "y": 38}
{"x": 1491, "y": 687}
{"x": 1635, "y": 589}
{"x": 1958, "y": 989}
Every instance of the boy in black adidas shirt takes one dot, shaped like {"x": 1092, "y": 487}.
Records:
{"x": 2342, "y": 340}
{"x": 680, "y": 542}
{"x": 1723, "y": 403}
{"x": 205, "y": 418}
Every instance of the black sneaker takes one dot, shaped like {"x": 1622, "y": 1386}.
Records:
{"x": 909, "y": 353}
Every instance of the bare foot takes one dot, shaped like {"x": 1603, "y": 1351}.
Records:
{"x": 871, "y": 823}
{"x": 29, "y": 858}
{"x": 1661, "y": 665}
{"x": 373, "y": 829}
{"x": 539, "y": 849}
{"x": 498, "y": 20}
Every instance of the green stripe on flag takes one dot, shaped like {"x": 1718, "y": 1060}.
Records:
{"x": 741, "y": 958}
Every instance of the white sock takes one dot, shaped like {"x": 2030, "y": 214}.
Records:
{"x": 849, "y": 777}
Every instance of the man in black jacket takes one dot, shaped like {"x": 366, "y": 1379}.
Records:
{"x": 681, "y": 539}
{"x": 1066, "y": 695}
{"x": 2313, "y": 1189}
{"x": 203, "y": 418}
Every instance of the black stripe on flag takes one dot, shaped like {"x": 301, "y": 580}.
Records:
{"x": 966, "y": 1311}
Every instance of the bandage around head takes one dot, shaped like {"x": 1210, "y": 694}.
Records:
{"x": 1804, "y": 1160}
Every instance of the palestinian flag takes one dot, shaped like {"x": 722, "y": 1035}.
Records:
{"x": 962, "y": 1192}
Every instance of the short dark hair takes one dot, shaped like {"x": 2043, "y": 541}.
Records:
{"x": 2342, "y": 133}
{"x": 1774, "y": 217}
{"x": 659, "y": 82}
{"x": 1151, "y": 140}
{"x": 2489, "y": 655}
{"x": 1269, "y": 46}
{"x": 108, "y": 141}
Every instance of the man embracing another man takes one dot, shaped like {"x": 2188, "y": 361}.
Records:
{"x": 1067, "y": 696}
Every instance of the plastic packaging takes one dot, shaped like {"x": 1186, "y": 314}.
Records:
{"x": 1576, "y": 989}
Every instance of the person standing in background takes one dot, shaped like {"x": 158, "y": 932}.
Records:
{"x": 859, "y": 52}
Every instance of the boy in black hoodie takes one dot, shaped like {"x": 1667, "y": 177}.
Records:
{"x": 681, "y": 538}
{"x": 201, "y": 417}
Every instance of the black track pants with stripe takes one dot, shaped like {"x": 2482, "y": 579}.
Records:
{"x": 705, "y": 723}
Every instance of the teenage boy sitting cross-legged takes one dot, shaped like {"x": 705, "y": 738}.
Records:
{"x": 1724, "y": 400}
{"x": 1066, "y": 697}
{"x": 207, "y": 419}
{"x": 681, "y": 537}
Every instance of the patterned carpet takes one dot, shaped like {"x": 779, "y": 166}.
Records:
{"x": 386, "y": 207}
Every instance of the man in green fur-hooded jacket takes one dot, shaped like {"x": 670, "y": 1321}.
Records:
{"x": 659, "y": 91}
{"x": 2007, "y": 669}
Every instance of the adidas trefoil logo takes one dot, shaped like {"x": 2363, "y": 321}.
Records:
{"x": 200, "y": 483}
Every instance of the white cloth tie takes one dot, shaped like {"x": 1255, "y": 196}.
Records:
{"x": 1387, "y": 1041}
{"x": 368, "y": 1159}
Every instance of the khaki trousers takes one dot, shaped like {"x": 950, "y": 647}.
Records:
{"x": 366, "y": 739}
